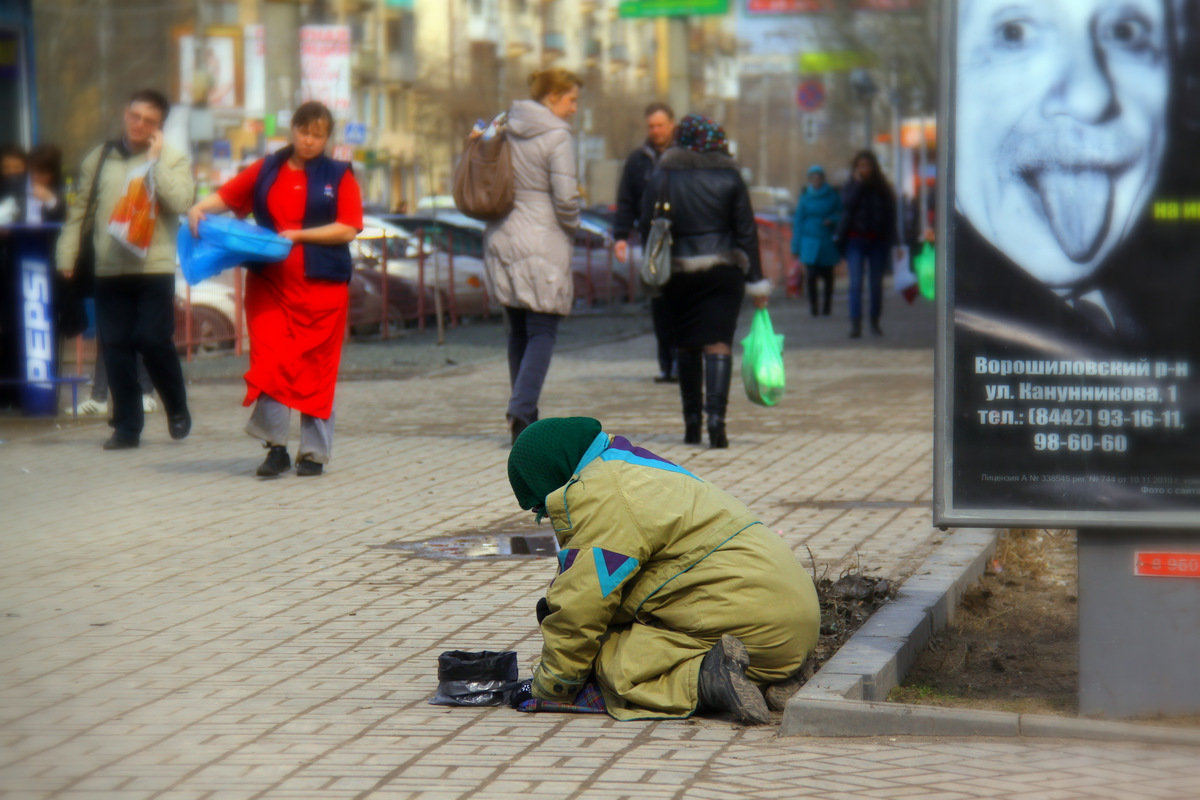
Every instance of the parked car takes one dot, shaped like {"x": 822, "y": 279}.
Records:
{"x": 404, "y": 255}
{"x": 456, "y": 232}
{"x": 366, "y": 300}
{"x": 213, "y": 311}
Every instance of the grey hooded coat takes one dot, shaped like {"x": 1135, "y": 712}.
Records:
{"x": 528, "y": 253}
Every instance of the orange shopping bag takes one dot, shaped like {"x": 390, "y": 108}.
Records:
{"x": 134, "y": 216}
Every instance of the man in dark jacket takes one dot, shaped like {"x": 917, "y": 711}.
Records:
{"x": 660, "y": 130}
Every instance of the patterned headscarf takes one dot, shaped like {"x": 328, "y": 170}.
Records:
{"x": 700, "y": 134}
{"x": 545, "y": 456}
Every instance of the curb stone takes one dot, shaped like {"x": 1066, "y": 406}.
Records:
{"x": 845, "y": 697}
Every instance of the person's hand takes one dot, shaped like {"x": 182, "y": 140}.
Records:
{"x": 828, "y": 223}
{"x": 474, "y": 134}
{"x": 760, "y": 301}
{"x": 621, "y": 250}
{"x": 156, "y": 145}
{"x": 294, "y": 236}
{"x": 195, "y": 215}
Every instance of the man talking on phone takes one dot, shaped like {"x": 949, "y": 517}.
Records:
{"x": 135, "y": 294}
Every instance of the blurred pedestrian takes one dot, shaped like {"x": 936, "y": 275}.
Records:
{"x": 714, "y": 256}
{"x": 818, "y": 212}
{"x": 12, "y": 183}
{"x": 867, "y": 232}
{"x": 639, "y": 166}
{"x": 528, "y": 253}
{"x": 135, "y": 295}
{"x": 44, "y": 189}
{"x": 670, "y": 593}
{"x": 296, "y": 308}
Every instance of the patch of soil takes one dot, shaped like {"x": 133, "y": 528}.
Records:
{"x": 846, "y": 604}
{"x": 1014, "y": 643}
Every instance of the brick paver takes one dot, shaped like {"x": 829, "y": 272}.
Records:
{"x": 173, "y": 627}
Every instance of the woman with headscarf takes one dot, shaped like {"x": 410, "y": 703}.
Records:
{"x": 528, "y": 253}
{"x": 714, "y": 261}
{"x": 296, "y": 308}
{"x": 817, "y": 214}
{"x": 670, "y": 593}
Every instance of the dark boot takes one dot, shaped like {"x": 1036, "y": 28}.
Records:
{"x": 691, "y": 393}
{"x": 875, "y": 329}
{"x": 856, "y": 329}
{"x": 718, "y": 371}
{"x": 276, "y": 463}
{"x": 724, "y": 686}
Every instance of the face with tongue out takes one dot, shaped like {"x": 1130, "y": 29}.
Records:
{"x": 1061, "y": 124}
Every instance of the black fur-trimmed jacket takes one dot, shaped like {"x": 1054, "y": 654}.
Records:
{"x": 712, "y": 223}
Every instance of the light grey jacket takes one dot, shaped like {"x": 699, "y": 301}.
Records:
{"x": 528, "y": 253}
{"x": 174, "y": 189}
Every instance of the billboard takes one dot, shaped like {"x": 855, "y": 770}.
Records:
{"x": 1069, "y": 278}
{"x": 325, "y": 66}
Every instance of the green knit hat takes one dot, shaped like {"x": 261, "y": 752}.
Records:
{"x": 545, "y": 455}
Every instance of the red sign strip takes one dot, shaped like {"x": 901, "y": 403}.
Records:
{"x": 1167, "y": 565}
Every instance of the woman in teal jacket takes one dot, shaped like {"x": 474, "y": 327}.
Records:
{"x": 817, "y": 214}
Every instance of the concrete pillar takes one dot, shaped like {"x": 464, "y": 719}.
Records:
{"x": 281, "y": 22}
{"x": 679, "y": 89}
{"x": 1139, "y": 634}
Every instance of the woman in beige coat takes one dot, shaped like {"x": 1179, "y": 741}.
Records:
{"x": 528, "y": 253}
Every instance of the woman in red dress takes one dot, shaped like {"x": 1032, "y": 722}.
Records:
{"x": 296, "y": 308}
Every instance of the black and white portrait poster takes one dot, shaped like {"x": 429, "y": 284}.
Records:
{"x": 1069, "y": 360}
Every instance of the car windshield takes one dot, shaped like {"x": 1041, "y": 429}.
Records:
{"x": 372, "y": 244}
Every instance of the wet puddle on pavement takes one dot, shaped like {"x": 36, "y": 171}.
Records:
{"x": 479, "y": 546}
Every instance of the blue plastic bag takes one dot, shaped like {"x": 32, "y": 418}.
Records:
{"x": 225, "y": 242}
{"x": 762, "y": 361}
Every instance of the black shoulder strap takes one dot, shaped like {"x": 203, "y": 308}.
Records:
{"x": 89, "y": 214}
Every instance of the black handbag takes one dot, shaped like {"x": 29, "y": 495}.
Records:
{"x": 70, "y": 313}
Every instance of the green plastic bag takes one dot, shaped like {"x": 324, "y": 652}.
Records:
{"x": 762, "y": 361}
{"x": 926, "y": 267}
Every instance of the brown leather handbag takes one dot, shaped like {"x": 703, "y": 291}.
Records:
{"x": 483, "y": 179}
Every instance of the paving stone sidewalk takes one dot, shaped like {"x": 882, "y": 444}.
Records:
{"x": 174, "y": 628}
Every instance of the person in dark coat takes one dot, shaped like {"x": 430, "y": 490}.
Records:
{"x": 714, "y": 260}
{"x": 867, "y": 233}
{"x": 818, "y": 212}
{"x": 660, "y": 132}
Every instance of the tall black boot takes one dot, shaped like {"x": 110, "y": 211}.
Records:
{"x": 718, "y": 370}
{"x": 691, "y": 392}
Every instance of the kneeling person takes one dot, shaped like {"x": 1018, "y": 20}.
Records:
{"x": 670, "y": 591}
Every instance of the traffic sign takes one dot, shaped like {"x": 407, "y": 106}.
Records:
{"x": 671, "y": 8}
{"x": 810, "y": 95}
{"x": 355, "y": 133}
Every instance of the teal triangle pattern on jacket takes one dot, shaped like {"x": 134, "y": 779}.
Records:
{"x": 612, "y": 569}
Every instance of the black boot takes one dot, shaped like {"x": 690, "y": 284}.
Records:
{"x": 724, "y": 686}
{"x": 276, "y": 463}
{"x": 718, "y": 370}
{"x": 856, "y": 329}
{"x": 875, "y": 329}
{"x": 691, "y": 393}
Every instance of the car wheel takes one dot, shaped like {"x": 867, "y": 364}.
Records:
{"x": 211, "y": 331}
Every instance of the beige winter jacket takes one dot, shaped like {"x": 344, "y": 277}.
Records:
{"x": 528, "y": 253}
{"x": 174, "y": 189}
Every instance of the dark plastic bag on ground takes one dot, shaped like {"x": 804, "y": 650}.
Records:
{"x": 481, "y": 678}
